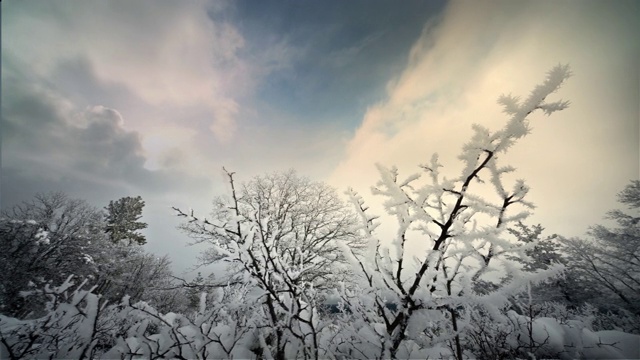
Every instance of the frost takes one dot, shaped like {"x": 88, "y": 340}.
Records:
{"x": 170, "y": 318}
{"x": 42, "y": 237}
{"x": 87, "y": 259}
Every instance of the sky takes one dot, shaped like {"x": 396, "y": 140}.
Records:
{"x": 105, "y": 99}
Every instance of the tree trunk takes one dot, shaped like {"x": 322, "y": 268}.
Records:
{"x": 454, "y": 323}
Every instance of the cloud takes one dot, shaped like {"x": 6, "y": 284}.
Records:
{"x": 342, "y": 57}
{"x": 52, "y": 145}
{"x": 479, "y": 50}
{"x": 224, "y": 127}
{"x": 168, "y": 54}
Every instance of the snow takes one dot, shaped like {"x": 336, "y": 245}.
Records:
{"x": 574, "y": 340}
{"x": 42, "y": 237}
{"x": 170, "y": 318}
{"x": 628, "y": 345}
{"x": 87, "y": 259}
{"x": 568, "y": 340}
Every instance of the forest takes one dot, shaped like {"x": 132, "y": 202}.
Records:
{"x": 449, "y": 268}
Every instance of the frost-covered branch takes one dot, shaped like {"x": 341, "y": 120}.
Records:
{"x": 444, "y": 214}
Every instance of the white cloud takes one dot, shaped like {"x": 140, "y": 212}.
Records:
{"x": 224, "y": 126}
{"x": 575, "y": 161}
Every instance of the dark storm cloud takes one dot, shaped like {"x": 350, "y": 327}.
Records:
{"x": 49, "y": 144}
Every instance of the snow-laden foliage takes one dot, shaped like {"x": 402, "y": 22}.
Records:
{"x": 521, "y": 336}
{"x": 70, "y": 329}
{"x": 79, "y": 324}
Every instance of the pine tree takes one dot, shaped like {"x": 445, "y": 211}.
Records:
{"x": 122, "y": 220}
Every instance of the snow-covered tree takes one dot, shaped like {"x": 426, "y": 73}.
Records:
{"x": 46, "y": 240}
{"x": 608, "y": 262}
{"x": 303, "y": 220}
{"x": 131, "y": 271}
{"x": 122, "y": 223}
{"x": 279, "y": 234}
{"x": 469, "y": 260}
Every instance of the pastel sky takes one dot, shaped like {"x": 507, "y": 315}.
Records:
{"x": 105, "y": 99}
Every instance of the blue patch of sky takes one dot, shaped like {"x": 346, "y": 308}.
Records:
{"x": 342, "y": 53}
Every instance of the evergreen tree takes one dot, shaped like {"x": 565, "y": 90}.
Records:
{"x": 122, "y": 220}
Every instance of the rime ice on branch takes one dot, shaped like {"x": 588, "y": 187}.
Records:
{"x": 465, "y": 233}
